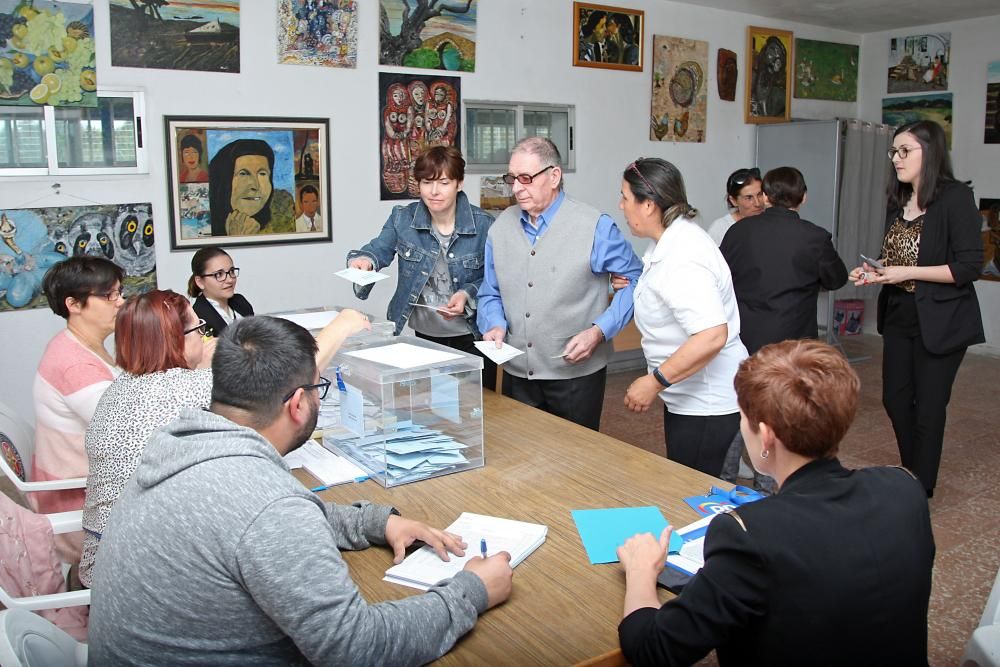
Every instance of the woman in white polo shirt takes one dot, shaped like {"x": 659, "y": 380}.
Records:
{"x": 686, "y": 311}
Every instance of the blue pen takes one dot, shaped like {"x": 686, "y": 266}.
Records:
{"x": 362, "y": 478}
{"x": 340, "y": 381}
{"x": 482, "y": 547}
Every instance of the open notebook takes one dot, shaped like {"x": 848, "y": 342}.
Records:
{"x": 424, "y": 568}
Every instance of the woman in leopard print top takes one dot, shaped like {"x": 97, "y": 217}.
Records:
{"x": 928, "y": 313}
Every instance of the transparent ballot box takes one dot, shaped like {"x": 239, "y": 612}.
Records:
{"x": 405, "y": 409}
{"x": 314, "y": 319}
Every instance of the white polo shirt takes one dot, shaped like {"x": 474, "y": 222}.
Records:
{"x": 685, "y": 288}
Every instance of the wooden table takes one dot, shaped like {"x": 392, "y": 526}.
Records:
{"x": 538, "y": 468}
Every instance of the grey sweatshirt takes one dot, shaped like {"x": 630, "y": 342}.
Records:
{"x": 215, "y": 554}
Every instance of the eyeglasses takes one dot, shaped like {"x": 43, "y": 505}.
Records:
{"x": 634, "y": 167}
{"x": 221, "y": 275}
{"x": 902, "y": 151}
{"x": 113, "y": 295}
{"x": 201, "y": 328}
{"x": 741, "y": 177}
{"x": 323, "y": 386}
{"x": 525, "y": 179}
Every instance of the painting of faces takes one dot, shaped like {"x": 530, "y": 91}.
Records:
{"x": 257, "y": 181}
{"x": 919, "y": 63}
{"x": 35, "y": 239}
{"x": 318, "y": 32}
{"x": 416, "y": 112}
{"x": 769, "y": 90}
{"x": 608, "y": 37}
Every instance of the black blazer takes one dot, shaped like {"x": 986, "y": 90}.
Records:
{"x": 948, "y": 313}
{"x": 207, "y": 311}
{"x": 779, "y": 263}
{"x": 835, "y": 569}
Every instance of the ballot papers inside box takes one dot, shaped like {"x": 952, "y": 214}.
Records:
{"x": 405, "y": 409}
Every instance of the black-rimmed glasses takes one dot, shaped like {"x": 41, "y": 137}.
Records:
{"x": 201, "y": 327}
{"x": 525, "y": 179}
{"x": 741, "y": 177}
{"x": 635, "y": 167}
{"x": 221, "y": 275}
{"x": 322, "y": 387}
{"x": 112, "y": 295}
{"x": 902, "y": 151}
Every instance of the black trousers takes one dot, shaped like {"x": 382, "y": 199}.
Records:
{"x": 699, "y": 442}
{"x": 580, "y": 400}
{"x": 465, "y": 344}
{"x": 916, "y": 388}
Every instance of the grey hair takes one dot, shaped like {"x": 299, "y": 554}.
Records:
{"x": 544, "y": 149}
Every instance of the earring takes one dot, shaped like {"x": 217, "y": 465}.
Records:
{"x": 764, "y": 453}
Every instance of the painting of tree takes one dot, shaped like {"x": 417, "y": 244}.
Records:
{"x": 428, "y": 34}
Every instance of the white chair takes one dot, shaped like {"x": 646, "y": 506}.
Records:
{"x": 21, "y": 436}
{"x": 983, "y": 649}
{"x": 28, "y": 640}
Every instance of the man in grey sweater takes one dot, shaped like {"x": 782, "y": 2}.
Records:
{"x": 215, "y": 554}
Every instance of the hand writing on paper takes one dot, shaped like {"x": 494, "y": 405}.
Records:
{"x": 401, "y": 533}
{"x": 455, "y": 305}
{"x": 496, "y": 574}
{"x": 495, "y": 334}
{"x": 641, "y": 393}
{"x": 361, "y": 264}
{"x": 581, "y": 346}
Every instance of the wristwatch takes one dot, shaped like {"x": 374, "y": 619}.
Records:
{"x": 659, "y": 377}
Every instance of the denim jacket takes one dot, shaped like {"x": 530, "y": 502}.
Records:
{"x": 407, "y": 233}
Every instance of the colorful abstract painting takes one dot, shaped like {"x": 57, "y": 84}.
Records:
{"x": 191, "y": 35}
{"x": 991, "y": 134}
{"x": 415, "y": 112}
{"x": 897, "y": 111}
{"x": 429, "y": 34}
{"x": 680, "y": 89}
{"x": 318, "y": 32}
{"x": 47, "y": 54}
{"x": 990, "y": 210}
{"x": 35, "y": 239}
{"x": 769, "y": 80}
{"x": 826, "y": 70}
{"x": 919, "y": 63}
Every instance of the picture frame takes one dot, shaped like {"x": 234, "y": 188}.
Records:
{"x": 769, "y": 76}
{"x": 214, "y": 161}
{"x": 608, "y": 37}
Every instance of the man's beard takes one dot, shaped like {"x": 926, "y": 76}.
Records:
{"x": 307, "y": 429}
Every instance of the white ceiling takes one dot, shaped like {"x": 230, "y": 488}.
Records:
{"x": 860, "y": 16}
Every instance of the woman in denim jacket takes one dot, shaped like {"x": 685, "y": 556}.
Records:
{"x": 440, "y": 241}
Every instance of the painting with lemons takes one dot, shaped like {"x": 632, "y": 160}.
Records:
{"x": 47, "y": 53}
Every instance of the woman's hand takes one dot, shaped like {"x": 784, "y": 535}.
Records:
{"x": 333, "y": 335}
{"x": 455, "y": 305}
{"x": 890, "y": 275}
{"x": 618, "y": 282}
{"x": 642, "y": 557}
{"x": 641, "y": 393}
{"x": 863, "y": 275}
{"x": 361, "y": 264}
{"x": 209, "y": 351}
{"x": 241, "y": 224}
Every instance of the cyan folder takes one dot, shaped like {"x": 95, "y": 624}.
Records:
{"x": 604, "y": 530}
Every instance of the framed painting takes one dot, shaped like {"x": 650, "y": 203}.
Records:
{"x": 247, "y": 181}
{"x": 919, "y": 63}
{"x": 826, "y": 70}
{"x": 415, "y": 113}
{"x": 990, "y": 210}
{"x": 47, "y": 53}
{"x": 35, "y": 239}
{"x": 608, "y": 37}
{"x": 680, "y": 89}
{"x": 429, "y": 34}
{"x": 190, "y": 35}
{"x": 991, "y": 128}
{"x": 897, "y": 111}
{"x": 769, "y": 83}
{"x": 323, "y": 34}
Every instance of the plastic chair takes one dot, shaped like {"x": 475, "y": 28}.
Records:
{"x": 983, "y": 649}
{"x": 20, "y": 436}
{"x": 28, "y": 640}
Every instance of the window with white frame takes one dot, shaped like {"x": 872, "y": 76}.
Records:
{"x": 46, "y": 140}
{"x": 492, "y": 129}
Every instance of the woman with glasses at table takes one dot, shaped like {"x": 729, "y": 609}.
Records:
{"x": 686, "y": 312}
{"x": 928, "y": 313}
{"x": 744, "y": 197}
{"x": 834, "y": 569}
{"x": 212, "y": 285}
{"x": 166, "y": 360}
{"x": 74, "y": 371}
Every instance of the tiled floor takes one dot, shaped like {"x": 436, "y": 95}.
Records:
{"x": 964, "y": 510}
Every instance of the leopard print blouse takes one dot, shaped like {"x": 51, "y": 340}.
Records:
{"x": 901, "y": 246}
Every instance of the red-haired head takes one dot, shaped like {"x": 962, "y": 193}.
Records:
{"x": 150, "y": 332}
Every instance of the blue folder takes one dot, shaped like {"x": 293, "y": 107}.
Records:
{"x": 604, "y": 530}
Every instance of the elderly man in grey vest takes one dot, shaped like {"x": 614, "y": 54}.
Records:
{"x": 545, "y": 289}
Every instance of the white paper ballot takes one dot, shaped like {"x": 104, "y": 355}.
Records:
{"x": 403, "y": 355}
{"x": 324, "y": 465}
{"x": 313, "y": 320}
{"x": 498, "y": 356}
{"x": 359, "y": 277}
{"x": 439, "y": 309}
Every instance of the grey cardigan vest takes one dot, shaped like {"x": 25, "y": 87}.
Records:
{"x": 548, "y": 291}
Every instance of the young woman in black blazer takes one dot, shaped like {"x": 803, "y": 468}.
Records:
{"x": 212, "y": 285}
{"x": 928, "y": 313}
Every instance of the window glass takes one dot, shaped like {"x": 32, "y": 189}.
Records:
{"x": 102, "y": 136}
{"x": 490, "y": 135}
{"x": 22, "y": 137}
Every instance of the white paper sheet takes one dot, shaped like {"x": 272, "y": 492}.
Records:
{"x": 359, "y": 277}
{"x": 312, "y": 321}
{"x": 498, "y": 356}
{"x": 403, "y": 355}
{"x": 324, "y": 465}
